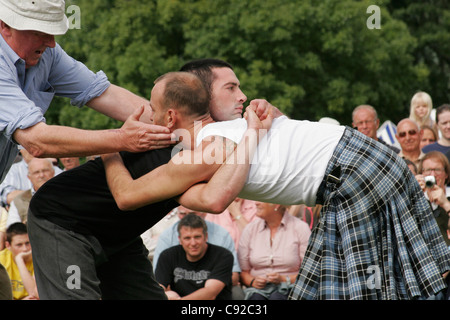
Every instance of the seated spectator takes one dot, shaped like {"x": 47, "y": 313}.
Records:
{"x": 430, "y": 135}
{"x": 409, "y": 136}
{"x": 436, "y": 164}
{"x": 195, "y": 269}
{"x": 39, "y": 172}
{"x": 16, "y": 259}
{"x": 16, "y": 180}
{"x": 70, "y": 162}
{"x": 240, "y": 213}
{"x": 217, "y": 235}
{"x": 271, "y": 251}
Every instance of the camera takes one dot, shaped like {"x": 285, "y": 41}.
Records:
{"x": 430, "y": 181}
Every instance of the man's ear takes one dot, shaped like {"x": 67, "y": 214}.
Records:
{"x": 171, "y": 118}
{"x": 5, "y": 29}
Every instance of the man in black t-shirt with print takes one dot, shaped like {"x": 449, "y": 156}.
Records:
{"x": 195, "y": 269}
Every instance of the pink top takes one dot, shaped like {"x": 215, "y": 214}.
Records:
{"x": 286, "y": 253}
{"x": 248, "y": 210}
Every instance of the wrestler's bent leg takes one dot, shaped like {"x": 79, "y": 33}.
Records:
{"x": 128, "y": 274}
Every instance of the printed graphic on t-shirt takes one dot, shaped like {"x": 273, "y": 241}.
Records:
{"x": 190, "y": 275}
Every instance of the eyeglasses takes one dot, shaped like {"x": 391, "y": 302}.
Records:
{"x": 410, "y": 132}
{"x": 436, "y": 170}
{"x": 360, "y": 123}
{"x": 38, "y": 172}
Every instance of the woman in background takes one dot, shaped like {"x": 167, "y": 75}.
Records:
{"x": 271, "y": 250}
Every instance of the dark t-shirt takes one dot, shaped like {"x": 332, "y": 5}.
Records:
{"x": 79, "y": 200}
{"x": 185, "y": 277}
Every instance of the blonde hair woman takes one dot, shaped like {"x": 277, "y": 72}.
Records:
{"x": 420, "y": 109}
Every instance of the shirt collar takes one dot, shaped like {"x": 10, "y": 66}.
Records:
{"x": 282, "y": 224}
{"x": 8, "y": 51}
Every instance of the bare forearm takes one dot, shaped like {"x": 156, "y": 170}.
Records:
{"x": 216, "y": 195}
{"x": 58, "y": 141}
{"x": 205, "y": 293}
{"x": 117, "y": 176}
{"x": 43, "y": 140}
{"x": 246, "y": 278}
{"x": 10, "y": 197}
{"x": 200, "y": 294}
{"x": 27, "y": 279}
{"x": 117, "y": 103}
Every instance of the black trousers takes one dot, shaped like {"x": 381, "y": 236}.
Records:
{"x": 73, "y": 266}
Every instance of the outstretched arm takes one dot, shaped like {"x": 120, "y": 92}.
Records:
{"x": 43, "y": 140}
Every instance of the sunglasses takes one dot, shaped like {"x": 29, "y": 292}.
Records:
{"x": 410, "y": 132}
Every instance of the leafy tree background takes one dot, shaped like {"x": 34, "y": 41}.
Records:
{"x": 310, "y": 58}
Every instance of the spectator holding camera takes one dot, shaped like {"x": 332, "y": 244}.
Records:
{"x": 436, "y": 165}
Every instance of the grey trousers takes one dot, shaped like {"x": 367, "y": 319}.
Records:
{"x": 73, "y": 266}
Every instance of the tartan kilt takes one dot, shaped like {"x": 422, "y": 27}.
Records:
{"x": 377, "y": 237}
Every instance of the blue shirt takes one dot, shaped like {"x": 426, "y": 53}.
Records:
{"x": 25, "y": 94}
{"x": 435, "y": 147}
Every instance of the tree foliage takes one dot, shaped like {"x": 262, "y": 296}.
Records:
{"x": 309, "y": 58}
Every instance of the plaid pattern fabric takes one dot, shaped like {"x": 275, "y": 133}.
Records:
{"x": 377, "y": 237}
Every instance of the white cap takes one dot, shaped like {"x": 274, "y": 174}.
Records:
{"x": 47, "y": 16}
{"x": 329, "y": 120}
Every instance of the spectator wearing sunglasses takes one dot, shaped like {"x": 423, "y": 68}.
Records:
{"x": 409, "y": 136}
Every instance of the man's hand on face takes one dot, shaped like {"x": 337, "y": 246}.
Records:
{"x": 139, "y": 136}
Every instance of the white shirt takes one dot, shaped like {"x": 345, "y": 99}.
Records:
{"x": 290, "y": 161}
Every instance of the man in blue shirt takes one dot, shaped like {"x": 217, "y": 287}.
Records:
{"x": 34, "y": 68}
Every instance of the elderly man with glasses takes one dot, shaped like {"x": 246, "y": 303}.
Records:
{"x": 365, "y": 120}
